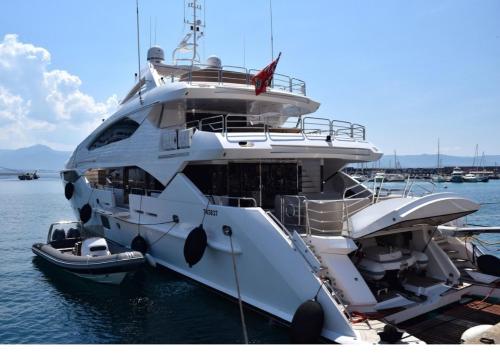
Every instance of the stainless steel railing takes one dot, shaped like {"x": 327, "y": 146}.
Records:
{"x": 332, "y": 216}
{"x": 319, "y": 217}
{"x": 227, "y": 75}
{"x": 261, "y": 128}
{"x": 235, "y": 201}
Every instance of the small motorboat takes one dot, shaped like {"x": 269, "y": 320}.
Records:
{"x": 471, "y": 178}
{"x": 457, "y": 176}
{"x": 29, "y": 176}
{"x": 93, "y": 258}
{"x": 25, "y": 176}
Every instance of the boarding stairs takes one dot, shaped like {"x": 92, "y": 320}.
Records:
{"x": 309, "y": 254}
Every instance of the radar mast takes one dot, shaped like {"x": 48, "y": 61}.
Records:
{"x": 189, "y": 43}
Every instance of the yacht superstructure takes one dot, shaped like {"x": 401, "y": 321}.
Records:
{"x": 195, "y": 170}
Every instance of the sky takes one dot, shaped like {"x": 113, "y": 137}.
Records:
{"x": 412, "y": 71}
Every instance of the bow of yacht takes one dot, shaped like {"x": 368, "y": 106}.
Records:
{"x": 195, "y": 170}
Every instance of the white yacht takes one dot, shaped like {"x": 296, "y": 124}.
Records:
{"x": 470, "y": 178}
{"x": 457, "y": 176}
{"x": 379, "y": 177}
{"x": 395, "y": 177}
{"x": 214, "y": 182}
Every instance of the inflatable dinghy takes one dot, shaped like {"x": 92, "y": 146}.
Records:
{"x": 92, "y": 258}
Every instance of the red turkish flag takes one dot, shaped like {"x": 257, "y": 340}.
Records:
{"x": 263, "y": 79}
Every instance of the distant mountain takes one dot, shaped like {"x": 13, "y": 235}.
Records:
{"x": 430, "y": 161}
{"x": 41, "y": 157}
{"x": 37, "y": 157}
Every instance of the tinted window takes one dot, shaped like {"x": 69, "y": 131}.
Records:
{"x": 121, "y": 130}
{"x": 98, "y": 248}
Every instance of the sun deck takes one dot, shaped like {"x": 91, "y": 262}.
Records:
{"x": 223, "y": 75}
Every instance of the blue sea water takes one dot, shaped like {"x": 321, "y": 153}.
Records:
{"x": 41, "y": 304}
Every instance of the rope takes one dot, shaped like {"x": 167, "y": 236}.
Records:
{"x": 362, "y": 317}
{"x": 489, "y": 293}
{"x": 165, "y": 234}
{"x": 242, "y": 316}
{"x": 319, "y": 289}
{"x": 205, "y": 212}
{"x": 139, "y": 219}
{"x": 430, "y": 239}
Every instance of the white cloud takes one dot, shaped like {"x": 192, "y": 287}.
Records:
{"x": 39, "y": 105}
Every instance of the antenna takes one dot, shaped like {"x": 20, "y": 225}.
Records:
{"x": 190, "y": 41}
{"x": 150, "y": 32}
{"x": 138, "y": 42}
{"x": 138, "y": 50}
{"x": 272, "y": 32}
{"x": 155, "y": 31}
{"x": 244, "y": 52}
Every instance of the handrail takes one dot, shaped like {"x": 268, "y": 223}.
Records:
{"x": 279, "y": 223}
{"x": 312, "y": 128}
{"x": 228, "y": 75}
{"x": 144, "y": 191}
{"x": 414, "y": 183}
{"x": 364, "y": 190}
{"x": 228, "y": 198}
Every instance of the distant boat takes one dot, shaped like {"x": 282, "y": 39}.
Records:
{"x": 470, "y": 178}
{"x": 483, "y": 176}
{"x": 28, "y": 176}
{"x": 395, "y": 177}
{"x": 457, "y": 176}
{"x": 359, "y": 177}
{"x": 379, "y": 177}
{"x": 477, "y": 175}
{"x": 438, "y": 178}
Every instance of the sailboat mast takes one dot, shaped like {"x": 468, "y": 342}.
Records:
{"x": 476, "y": 157}
{"x": 439, "y": 156}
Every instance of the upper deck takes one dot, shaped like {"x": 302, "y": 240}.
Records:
{"x": 225, "y": 75}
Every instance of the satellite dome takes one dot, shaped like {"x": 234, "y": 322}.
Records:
{"x": 214, "y": 62}
{"x": 156, "y": 54}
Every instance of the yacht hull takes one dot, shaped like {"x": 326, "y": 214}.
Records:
{"x": 273, "y": 275}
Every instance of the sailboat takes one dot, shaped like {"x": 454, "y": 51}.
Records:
{"x": 483, "y": 175}
{"x": 438, "y": 177}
